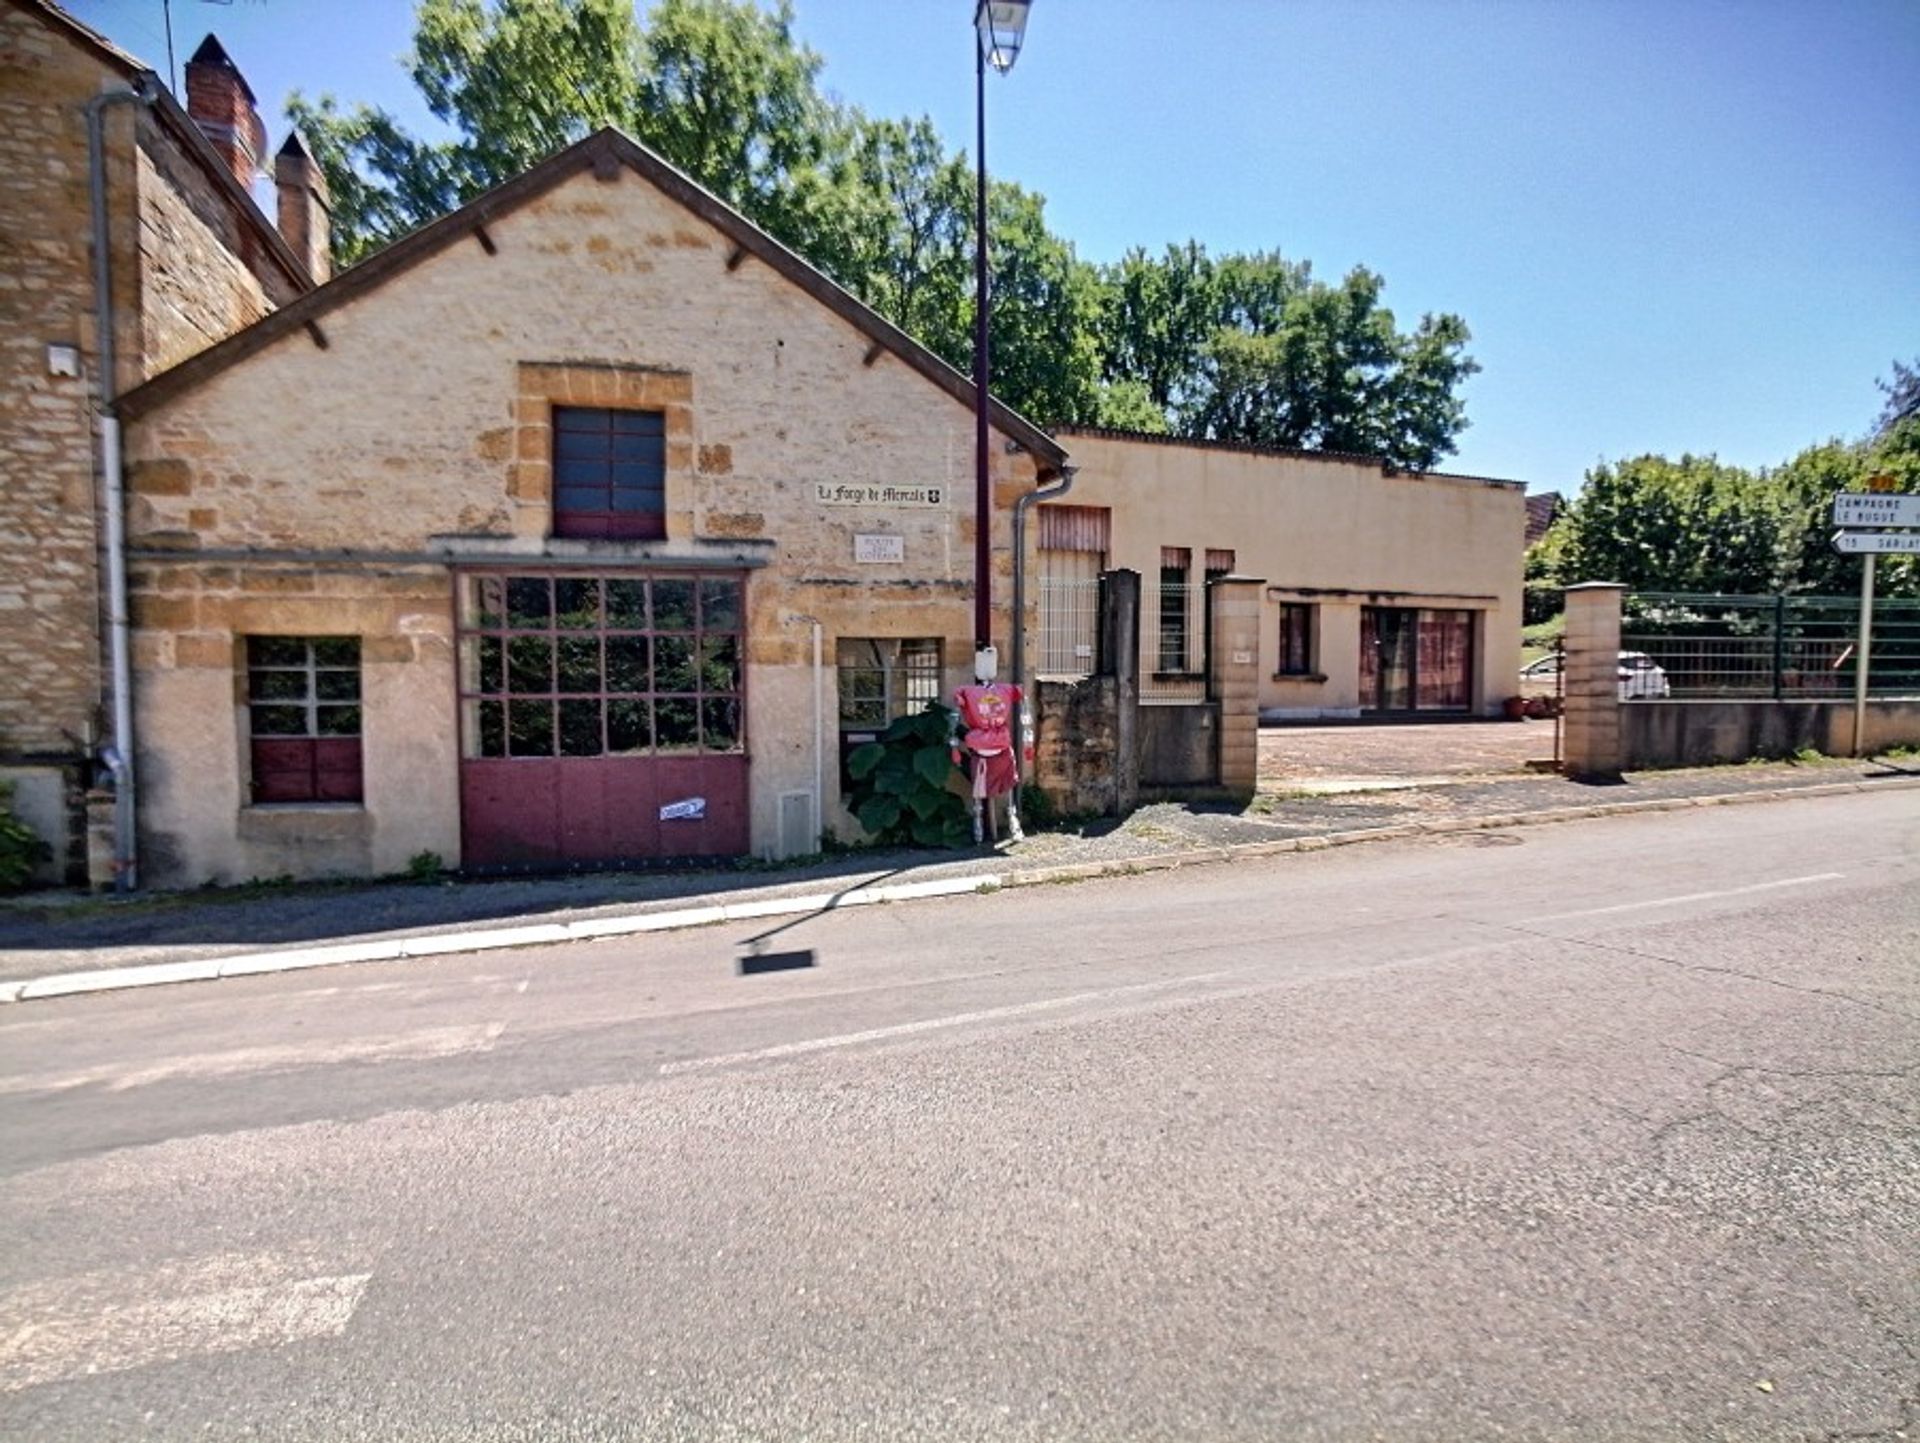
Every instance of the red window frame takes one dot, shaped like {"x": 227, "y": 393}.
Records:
{"x": 609, "y": 473}
{"x": 304, "y": 720}
{"x": 1296, "y": 638}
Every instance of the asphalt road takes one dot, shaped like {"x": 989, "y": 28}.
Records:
{"x": 1596, "y": 1131}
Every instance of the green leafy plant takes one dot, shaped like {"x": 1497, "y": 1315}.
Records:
{"x": 21, "y": 849}
{"x": 425, "y": 866}
{"x": 903, "y": 783}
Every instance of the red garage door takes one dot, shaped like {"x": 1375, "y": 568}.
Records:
{"x": 603, "y": 718}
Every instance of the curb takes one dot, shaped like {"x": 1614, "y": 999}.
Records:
{"x": 443, "y": 944}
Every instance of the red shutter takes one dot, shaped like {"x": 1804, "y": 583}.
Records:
{"x": 1076, "y": 528}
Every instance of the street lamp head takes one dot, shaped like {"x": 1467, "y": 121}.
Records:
{"x": 1002, "y": 25}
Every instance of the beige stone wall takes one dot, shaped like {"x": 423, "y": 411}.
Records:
{"x": 423, "y": 424}
{"x": 204, "y": 273}
{"x": 49, "y": 681}
{"x": 189, "y": 655}
{"x": 177, "y": 245}
{"x": 1338, "y": 534}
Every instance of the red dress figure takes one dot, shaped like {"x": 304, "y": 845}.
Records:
{"x": 986, "y": 717}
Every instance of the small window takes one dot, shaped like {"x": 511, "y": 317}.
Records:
{"x": 1296, "y": 639}
{"x": 303, "y": 712}
{"x": 609, "y": 473}
{"x": 882, "y": 679}
{"x": 1176, "y": 606}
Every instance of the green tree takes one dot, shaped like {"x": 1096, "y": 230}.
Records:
{"x": 1333, "y": 373}
{"x": 1239, "y": 347}
{"x": 1697, "y": 525}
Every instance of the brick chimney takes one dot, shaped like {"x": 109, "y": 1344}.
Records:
{"x": 222, "y": 105}
{"x": 306, "y": 207}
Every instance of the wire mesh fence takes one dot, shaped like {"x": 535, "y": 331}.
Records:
{"x": 1069, "y": 625}
{"x": 1175, "y": 669}
{"x": 1791, "y": 648}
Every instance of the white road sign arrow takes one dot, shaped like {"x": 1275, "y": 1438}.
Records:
{"x": 1877, "y": 543}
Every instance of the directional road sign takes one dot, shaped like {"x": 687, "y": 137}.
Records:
{"x": 1877, "y": 543}
{"x": 1855, "y": 508}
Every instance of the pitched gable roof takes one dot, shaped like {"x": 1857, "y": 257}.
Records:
{"x": 1541, "y": 511}
{"x": 601, "y": 153}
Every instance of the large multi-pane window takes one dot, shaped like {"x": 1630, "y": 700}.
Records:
{"x": 589, "y": 666}
{"x": 609, "y": 473}
{"x": 303, "y": 715}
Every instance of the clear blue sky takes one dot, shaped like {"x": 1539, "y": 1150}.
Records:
{"x": 1672, "y": 224}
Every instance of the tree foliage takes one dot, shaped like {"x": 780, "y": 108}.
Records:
{"x": 1232, "y": 347}
{"x": 1695, "y": 524}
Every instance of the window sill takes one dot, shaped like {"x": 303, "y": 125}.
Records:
{"x": 1179, "y": 676}
{"x": 275, "y": 809}
{"x": 1314, "y": 677}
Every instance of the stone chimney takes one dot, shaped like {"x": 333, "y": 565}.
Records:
{"x": 306, "y": 207}
{"x": 222, "y": 105}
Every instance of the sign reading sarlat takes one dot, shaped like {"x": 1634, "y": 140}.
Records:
{"x": 854, "y": 493}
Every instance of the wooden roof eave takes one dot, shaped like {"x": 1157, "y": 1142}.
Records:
{"x": 592, "y": 154}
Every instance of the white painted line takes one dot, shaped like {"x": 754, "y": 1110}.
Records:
{"x": 109, "y": 978}
{"x": 1694, "y": 897}
{"x": 931, "y": 1024}
{"x": 297, "y": 959}
{"x": 778, "y": 907}
{"x": 44, "y": 1346}
{"x": 427, "y": 1043}
{"x": 484, "y": 941}
{"x": 647, "y": 922}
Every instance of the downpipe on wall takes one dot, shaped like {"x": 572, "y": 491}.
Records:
{"x": 119, "y": 755}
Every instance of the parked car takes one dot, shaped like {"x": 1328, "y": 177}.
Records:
{"x": 1641, "y": 677}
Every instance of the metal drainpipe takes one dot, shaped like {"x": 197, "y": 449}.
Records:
{"x": 819, "y": 727}
{"x": 1020, "y": 508}
{"x": 126, "y": 875}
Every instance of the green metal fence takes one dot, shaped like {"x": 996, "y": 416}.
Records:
{"x": 1791, "y": 648}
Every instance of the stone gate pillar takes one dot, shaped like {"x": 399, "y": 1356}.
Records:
{"x": 1590, "y": 735}
{"x": 1233, "y": 678}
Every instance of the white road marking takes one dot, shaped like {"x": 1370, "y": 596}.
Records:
{"x": 101, "y": 1323}
{"x": 1694, "y": 897}
{"x": 429, "y": 1042}
{"x": 930, "y": 1024}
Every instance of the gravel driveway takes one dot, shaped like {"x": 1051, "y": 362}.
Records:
{"x": 1398, "y": 751}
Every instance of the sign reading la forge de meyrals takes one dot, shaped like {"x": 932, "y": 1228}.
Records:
{"x": 891, "y": 493}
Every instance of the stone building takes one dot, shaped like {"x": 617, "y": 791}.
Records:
{"x": 508, "y": 544}
{"x": 1386, "y": 592}
{"x": 191, "y": 260}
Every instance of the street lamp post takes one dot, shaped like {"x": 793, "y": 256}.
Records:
{"x": 1000, "y": 26}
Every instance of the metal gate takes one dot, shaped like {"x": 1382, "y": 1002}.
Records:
{"x": 602, "y": 717}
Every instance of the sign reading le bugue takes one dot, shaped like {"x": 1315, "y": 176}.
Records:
{"x": 871, "y": 493}
{"x": 1857, "y": 508}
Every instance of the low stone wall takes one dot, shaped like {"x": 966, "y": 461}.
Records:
{"x": 1657, "y": 734}
{"x": 1079, "y": 759}
{"x": 1179, "y": 747}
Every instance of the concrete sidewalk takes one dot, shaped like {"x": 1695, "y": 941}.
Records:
{"x": 205, "y": 933}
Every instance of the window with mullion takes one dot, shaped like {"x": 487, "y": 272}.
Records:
{"x": 303, "y": 712}
{"x": 575, "y": 666}
{"x": 609, "y": 473}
